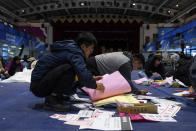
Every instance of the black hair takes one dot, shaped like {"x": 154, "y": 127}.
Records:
{"x": 140, "y": 58}
{"x": 150, "y": 55}
{"x": 25, "y": 58}
{"x": 156, "y": 57}
{"x": 86, "y": 38}
{"x": 16, "y": 58}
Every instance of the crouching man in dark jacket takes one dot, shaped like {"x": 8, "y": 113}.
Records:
{"x": 54, "y": 74}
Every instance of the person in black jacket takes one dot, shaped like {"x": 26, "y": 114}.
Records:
{"x": 54, "y": 73}
{"x": 182, "y": 69}
{"x": 154, "y": 68}
{"x": 192, "y": 72}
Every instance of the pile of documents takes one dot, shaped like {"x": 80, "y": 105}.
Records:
{"x": 126, "y": 98}
{"x": 96, "y": 119}
{"x": 167, "y": 109}
{"x": 149, "y": 82}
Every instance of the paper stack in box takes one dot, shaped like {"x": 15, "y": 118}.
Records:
{"x": 137, "y": 108}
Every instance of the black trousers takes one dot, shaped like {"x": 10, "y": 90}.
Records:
{"x": 125, "y": 71}
{"x": 92, "y": 66}
{"x": 59, "y": 80}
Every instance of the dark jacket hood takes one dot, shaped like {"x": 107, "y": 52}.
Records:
{"x": 68, "y": 45}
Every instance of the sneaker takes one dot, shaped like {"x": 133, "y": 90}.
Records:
{"x": 55, "y": 104}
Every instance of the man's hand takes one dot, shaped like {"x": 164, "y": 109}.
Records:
{"x": 6, "y": 73}
{"x": 143, "y": 92}
{"x": 98, "y": 77}
{"x": 100, "y": 87}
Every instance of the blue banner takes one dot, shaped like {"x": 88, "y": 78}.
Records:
{"x": 14, "y": 37}
{"x": 178, "y": 30}
{"x": 150, "y": 47}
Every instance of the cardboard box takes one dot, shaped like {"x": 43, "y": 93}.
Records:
{"x": 138, "y": 108}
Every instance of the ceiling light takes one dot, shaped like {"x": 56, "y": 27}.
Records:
{"x": 5, "y": 23}
{"x": 169, "y": 11}
{"x": 134, "y": 4}
{"x": 82, "y": 4}
{"x": 22, "y": 10}
{"x": 177, "y": 5}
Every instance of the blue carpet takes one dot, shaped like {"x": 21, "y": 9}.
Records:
{"x": 16, "y": 113}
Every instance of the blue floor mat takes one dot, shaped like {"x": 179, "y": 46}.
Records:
{"x": 17, "y": 113}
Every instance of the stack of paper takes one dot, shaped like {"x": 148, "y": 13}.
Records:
{"x": 68, "y": 117}
{"x": 158, "y": 117}
{"x": 110, "y": 123}
{"x": 98, "y": 119}
{"x": 159, "y": 101}
{"x": 167, "y": 109}
{"x": 182, "y": 93}
{"x": 164, "y": 101}
{"x": 127, "y": 98}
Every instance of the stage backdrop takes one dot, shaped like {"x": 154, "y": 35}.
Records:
{"x": 117, "y": 35}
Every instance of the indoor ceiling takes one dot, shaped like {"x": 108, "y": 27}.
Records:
{"x": 149, "y": 10}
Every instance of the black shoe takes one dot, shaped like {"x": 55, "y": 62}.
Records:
{"x": 55, "y": 104}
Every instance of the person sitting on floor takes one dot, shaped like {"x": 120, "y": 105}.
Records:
{"x": 110, "y": 62}
{"x": 138, "y": 62}
{"x": 154, "y": 68}
{"x": 25, "y": 62}
{"x": 55, "y": 73}
{"x": 14, "y": 66}
{"x": 192, "y": 74}
{"x": 2, "y": 68}
{"x": 182, "y": 69}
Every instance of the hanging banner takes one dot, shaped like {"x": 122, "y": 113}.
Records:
{"x": 62, "y": 20}
{"x": 70, "y": 20}
{"x": 77, "y": 20}
{"x": 115, "y": 20}
{"x": 100, "y": 20}
{"x": 93, "y": 20}
{"x": 85, "y": 20}
{"x": 108, "y": 20}
{"x": 55, "y": 20}
{"x": 123, "y": 20}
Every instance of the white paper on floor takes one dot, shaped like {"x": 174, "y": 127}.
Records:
{"x": 110, "y": 123}
{"x": 158, "y": 117}
{"x": 85, "y": 113}
{"x": 75, "y": 97}
{"x": 169, "y": 109}
{"x": 24, "y": 76}
{"x": 164, "y": 101}
{"x": 181, "y": 93}
{"x": 67, "y": 117}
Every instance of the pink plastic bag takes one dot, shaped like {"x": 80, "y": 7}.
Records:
{"x": 115, "y": 84}
{"x": 134, "y": 117}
